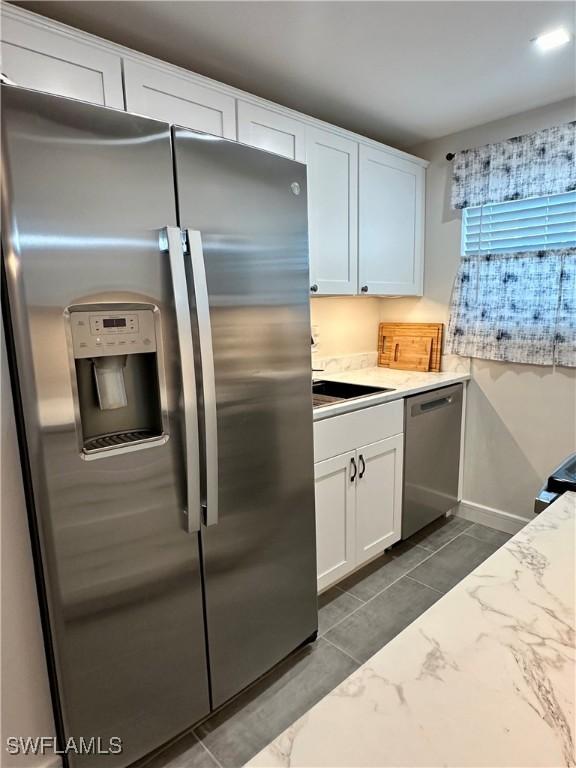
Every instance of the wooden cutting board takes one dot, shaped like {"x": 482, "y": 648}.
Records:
{"x": 389, "y": 332}
{"x": 411, "y": 353}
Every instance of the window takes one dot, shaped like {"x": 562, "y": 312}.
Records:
{"x": 515, "y": 293}
{"x": 536, "y": 223}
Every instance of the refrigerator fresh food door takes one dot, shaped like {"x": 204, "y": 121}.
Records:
{"x": 245, "y": 210}
{"x": 100, "y": 346}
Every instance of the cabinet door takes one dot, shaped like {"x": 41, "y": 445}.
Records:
{"x": 391, "y": 224}
{"x": 272, "y": 131}
{"x": 179, "y": 100}
{"x": 332, "y": 212}
{"x": 45, "y": 60}
{"x": 378, "y": 497}
{"x": 335, "y": 513}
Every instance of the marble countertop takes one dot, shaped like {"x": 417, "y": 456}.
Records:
{"x": 404, "y": 383}
{"x": 485, "y": 677}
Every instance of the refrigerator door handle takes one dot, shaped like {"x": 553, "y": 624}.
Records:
{"x": 200, "y": 289}
{"x": 185, "y": 344}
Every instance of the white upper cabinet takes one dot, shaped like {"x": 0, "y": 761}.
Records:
{"x": 46, "y": 60}
{"x": 178, "y": 99}
{"x": 391, "y": 224}
{"x": 272, "y": 131}
{"x": 332, "y": 212}
{"x": 366, "y": 201}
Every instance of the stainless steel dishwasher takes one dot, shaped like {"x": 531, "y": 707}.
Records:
{"x": 432, "y": 426}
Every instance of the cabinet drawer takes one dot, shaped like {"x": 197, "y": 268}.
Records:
{"x": 345, "y": 433}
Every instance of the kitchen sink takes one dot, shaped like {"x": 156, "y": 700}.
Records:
{"x": 329, "y": 392}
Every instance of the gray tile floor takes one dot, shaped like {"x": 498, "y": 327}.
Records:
{"x": 356, "y": 619}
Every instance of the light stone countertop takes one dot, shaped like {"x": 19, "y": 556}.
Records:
{"x": 404, "y": 383}
{"x": 485, "y": 677}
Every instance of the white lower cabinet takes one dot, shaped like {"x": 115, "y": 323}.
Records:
{"x": 335, "y": 506}
{"x": 378, "y": 497}
{"x": 359, "y": 490}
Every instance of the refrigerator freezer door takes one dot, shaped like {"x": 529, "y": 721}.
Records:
{"x": 87, "y": 191}
{"x": 259, "y": 556}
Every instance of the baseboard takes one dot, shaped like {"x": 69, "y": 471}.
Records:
{"x": 492, "y": 518}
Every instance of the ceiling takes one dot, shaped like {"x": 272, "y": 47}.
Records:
{"x": 400, "y": 72}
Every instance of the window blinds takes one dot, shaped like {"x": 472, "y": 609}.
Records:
{"x": 521, "y": 225}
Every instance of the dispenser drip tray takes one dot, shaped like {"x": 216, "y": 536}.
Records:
{"x": 118, "y": 439}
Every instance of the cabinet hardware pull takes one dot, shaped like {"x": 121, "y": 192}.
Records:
{"x": 363, "y": 469}
{"x": 364, "y": 289}
{"x": 314, "y": 288}
{"x": 354, "y": 469}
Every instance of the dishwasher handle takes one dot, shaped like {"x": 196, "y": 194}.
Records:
{"x": 431, "y": 405}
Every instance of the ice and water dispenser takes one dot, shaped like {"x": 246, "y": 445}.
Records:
{"x": 117, "y": 364}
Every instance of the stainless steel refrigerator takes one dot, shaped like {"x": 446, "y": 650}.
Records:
{"x": 156, "y": 304}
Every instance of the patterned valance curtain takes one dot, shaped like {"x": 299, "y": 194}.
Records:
{"x": 516, "y": 307}
{"x": 538, "y": 164}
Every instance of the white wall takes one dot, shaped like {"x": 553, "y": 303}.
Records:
{"x": 26, "y": 705}
{"x": 521, "y": 419}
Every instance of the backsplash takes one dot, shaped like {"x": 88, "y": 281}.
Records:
{"x": 344, "y": 327}
{"x": 354, "y": 362}
{"x": 455, "y": 364}
{"x": 346, "y": 333}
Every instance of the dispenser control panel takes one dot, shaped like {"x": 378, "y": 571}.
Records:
{"x": 101, "y": 325}
{"x": 97, "y": 334}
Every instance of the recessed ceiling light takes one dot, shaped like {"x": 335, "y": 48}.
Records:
{"x": 553, "y": 39}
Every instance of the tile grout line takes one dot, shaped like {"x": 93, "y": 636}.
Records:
{"x": 356, "y": 661}
{"x": 398, "y": 579}
{"x": 345, "y": 592}
{"x": 218, "y": 763}
{"x": 424, "y": 585}
{"x": 446, "y": 543}
{"x": 424, "y": 548}
{"x": 483, "y": 541}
